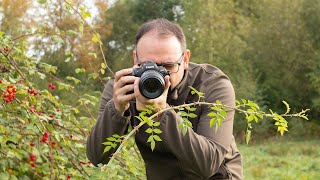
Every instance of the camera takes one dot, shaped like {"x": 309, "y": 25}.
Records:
{"x": 152, "y": 80}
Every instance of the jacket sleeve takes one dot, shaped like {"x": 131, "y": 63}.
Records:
{"x": 109, "y": 122}
{"x": 204, "y": 151}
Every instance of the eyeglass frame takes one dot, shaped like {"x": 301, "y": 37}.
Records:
{"x": 179, "y": 62}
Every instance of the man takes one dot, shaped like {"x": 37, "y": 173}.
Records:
{"x": 203, "y": 153}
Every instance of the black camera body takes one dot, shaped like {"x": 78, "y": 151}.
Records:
{"x": 152, "y": 80}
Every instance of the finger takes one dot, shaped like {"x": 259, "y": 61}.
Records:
{"x": 125, "y": 98}
{"x": 122, "y": 73}
{"x": 125, "y": 89}
{"x": 124, "y": 81}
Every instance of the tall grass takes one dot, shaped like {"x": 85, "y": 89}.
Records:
{"x": 284, "y": 160}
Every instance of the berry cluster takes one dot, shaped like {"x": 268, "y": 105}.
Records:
{"x": 52, "y": 86}
{"x": 32, "y": 91}
{"x": 32, "y": 160}
{"x": 84, "y": 163}
{"x": 45, "y": 137}
{"x": 32, "y": 109}
{"x": 5, "y": 50}
{"x": 10, "y": 94}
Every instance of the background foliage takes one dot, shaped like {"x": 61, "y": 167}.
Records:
{"x": 270, "y": 50}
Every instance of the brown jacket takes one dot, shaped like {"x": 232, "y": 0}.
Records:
{"x": 202, "y": 153}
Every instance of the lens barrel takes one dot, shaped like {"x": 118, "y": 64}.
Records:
{"x": 151, "y": 84}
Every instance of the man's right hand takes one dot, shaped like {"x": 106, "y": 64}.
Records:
{"x": 122, "y": 85}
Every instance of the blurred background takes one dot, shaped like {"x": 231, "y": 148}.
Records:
{"x": 269, "y": 49}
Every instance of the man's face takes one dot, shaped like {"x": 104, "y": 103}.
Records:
{"x": 163, "y": 51}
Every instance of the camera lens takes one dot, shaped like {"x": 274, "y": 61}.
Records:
{"x": 151, "y": 84}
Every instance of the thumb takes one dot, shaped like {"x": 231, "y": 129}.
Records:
{"x": 167, "y": 81}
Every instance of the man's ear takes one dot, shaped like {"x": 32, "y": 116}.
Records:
{"x": 186, "y": 58}
{"x": 134, "y": 55}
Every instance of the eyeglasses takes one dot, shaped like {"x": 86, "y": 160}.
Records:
{"x": 172, "y": 67}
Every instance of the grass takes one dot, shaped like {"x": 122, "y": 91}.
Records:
{"x": 287, "y": 160}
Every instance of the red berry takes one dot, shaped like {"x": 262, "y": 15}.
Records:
{"x": 32, "y": 109}
{"x": 32, "y": 144}
{"x": 46, "y": 134}
{"x": 33, "y": 164}
{"x": 32, "y": 157}
{"x": 68, "y": 177}
{"x": 53, "y": 87}
{"x": 50, "y": 85}
{"x": 35, "y": 92}
{"x": 52, "y": 143}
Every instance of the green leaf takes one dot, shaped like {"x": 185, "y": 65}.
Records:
{"x": 189, "y": 124}
{"x": 271, "y": 111}
{"x": 96, "y": 38}
{"x": 212, "y": 114}
{"x": 156, "y": 124}
{"x": 157, "y": 138}
{"x": 67, "y": 60}
{"x": 102, "y": 71}
{"x": 42, "y": 1}
{"x": 193, "y": 109}
{"x": 93, "y": 54}
{"x": 93, "y": 76}
{"x": 287, "y": 106}
{"x": 213, "y": 121}
{"x": 153, "y": 145}
{"x": 76, "y": 110}
{"x": 80, "y": 70}
{"x": 103, "y": 65}
{"x": 81, "y": 8}
{"x": 157, "y": 131}
{"x": 149, "y": 131}
{"x": 107, "y": 143}
{"x": 116, "y": 136}
{"x": 223, "y": 114}
{"x": 111, "y": 139}
{"x": 192, "y": 115}
{"x": 250, "y": 118}
{"x": 260, "y": 116}
{"x": 184, "y": 130}
{"x": 106, "y": 149}
{"x": 182, "y": 113}
{"x": 114, "y": 145}
{"x": 81, "y": 27}
{"x": 150, "y": 139}
{"x": 76, "y": 81}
